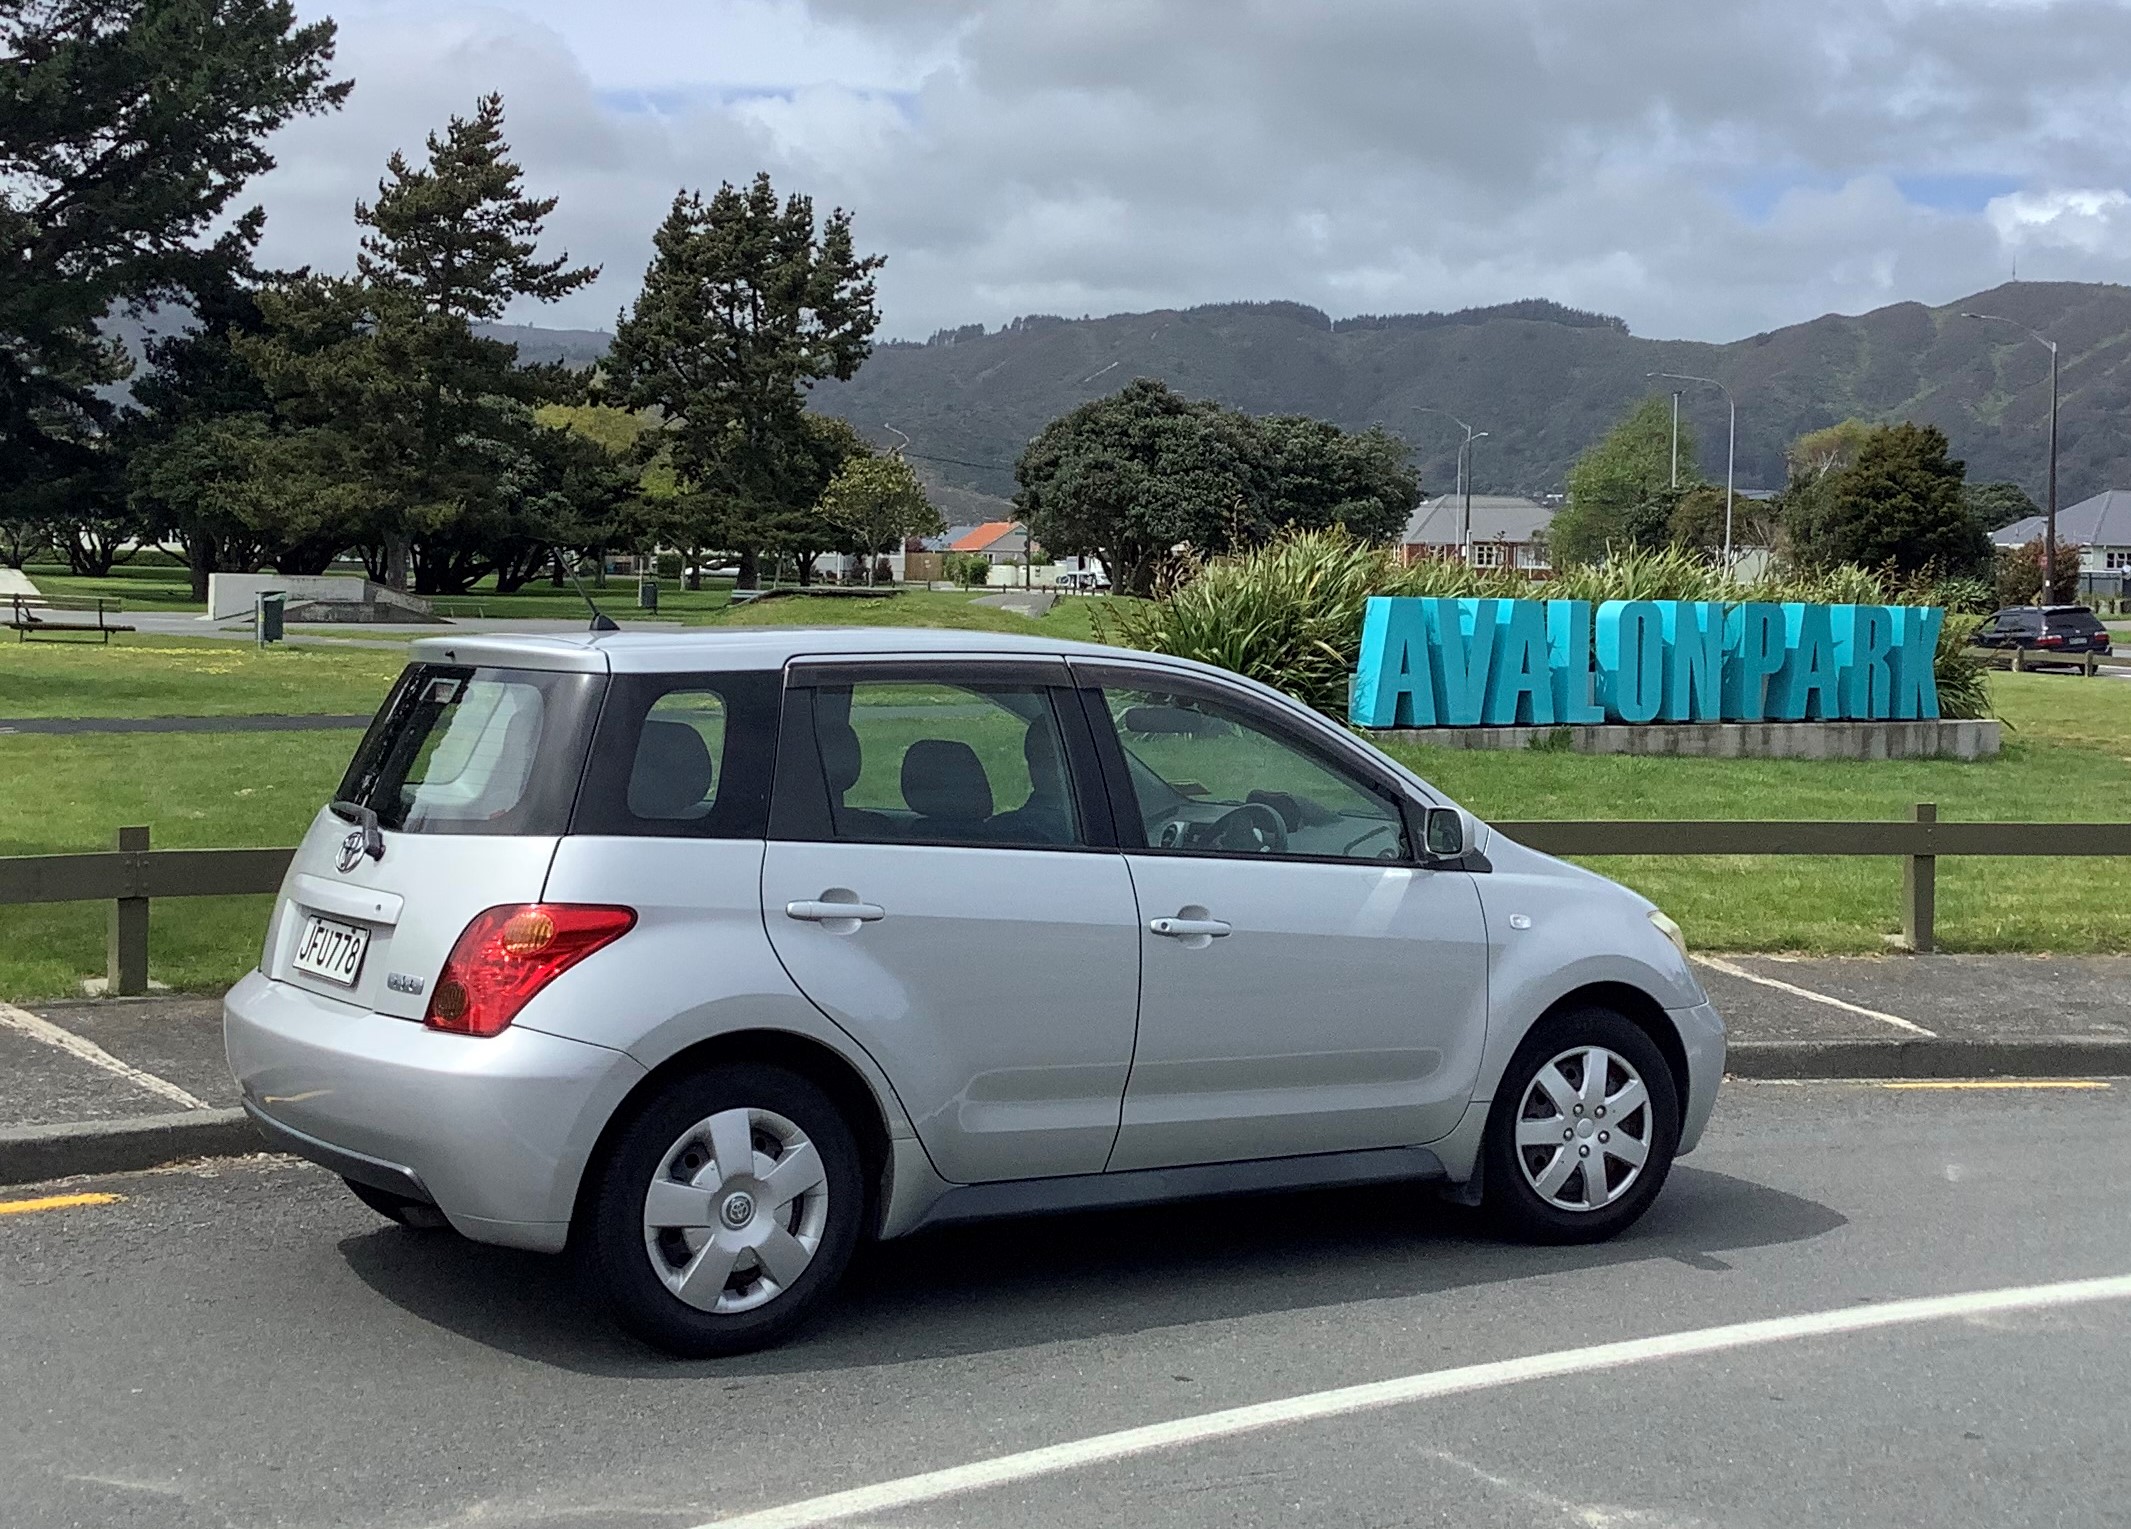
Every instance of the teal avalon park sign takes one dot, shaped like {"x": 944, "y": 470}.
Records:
{"x": 1515, "y": 663}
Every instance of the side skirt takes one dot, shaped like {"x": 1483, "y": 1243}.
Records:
{"x": 1148, "y": 1186}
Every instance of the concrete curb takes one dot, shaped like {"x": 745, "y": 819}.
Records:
{"x": 2043, "y": 1056}
{"x": 32, "y": 1154}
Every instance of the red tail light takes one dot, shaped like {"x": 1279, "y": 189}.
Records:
{"x": 508, "y": 954}
{"x": 2050, "y": 641}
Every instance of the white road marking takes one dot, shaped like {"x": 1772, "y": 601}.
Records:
{"x": 1050, "y": 1460}
{"x": 1899, "y": 1023}
{"x": 25, "y": 1023}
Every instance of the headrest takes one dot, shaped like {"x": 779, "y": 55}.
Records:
{"x": 672, "y": 773}
{"x": 1046, "y": 763}
{"x": 942, "y": 778}
{"x": 840, "y": 758}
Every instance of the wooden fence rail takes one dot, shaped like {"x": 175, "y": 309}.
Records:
{"x": 131, "y": 875}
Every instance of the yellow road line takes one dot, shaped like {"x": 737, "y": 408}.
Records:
{"x": 1965, "y": 1083}
{"x": 55, "y": 1202}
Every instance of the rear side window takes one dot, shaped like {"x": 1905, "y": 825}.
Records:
{"x": 466, "y": 750}
{"x": 683, "y": 756}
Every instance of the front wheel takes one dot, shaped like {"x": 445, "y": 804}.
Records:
{"x": 726, "y": 1211}
{"x": 1583, "y": 1130}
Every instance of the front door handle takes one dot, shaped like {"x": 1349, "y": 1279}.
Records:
{"x": 1187, "y": 928}
{"x": 816, "y": 912}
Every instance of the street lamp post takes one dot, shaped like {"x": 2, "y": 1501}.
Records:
{"x": 1675, "y": 437}
{"x": 2049, "y": 529}
{"x": 1464, "y": 476}
{"x": 1731, "y": 444}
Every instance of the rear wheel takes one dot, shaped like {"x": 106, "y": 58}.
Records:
{"x": 726, "y": 1212}
{"x": 1583, "y": 1130}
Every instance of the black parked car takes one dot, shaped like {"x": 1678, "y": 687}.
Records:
{"x": 2045, "y": 628}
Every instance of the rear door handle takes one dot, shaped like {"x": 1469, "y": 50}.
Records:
{"x": 1185, "y": 928}
{"x": 829, "y": 913}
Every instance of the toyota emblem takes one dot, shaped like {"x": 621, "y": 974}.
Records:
{"x": 351, "y": 852}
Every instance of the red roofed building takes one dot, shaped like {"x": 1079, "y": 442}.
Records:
{"x": 1002, "y": 541}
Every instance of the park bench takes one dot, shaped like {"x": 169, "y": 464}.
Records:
{"x": 49, "y": 618}
{"x": 2030, "y": 660}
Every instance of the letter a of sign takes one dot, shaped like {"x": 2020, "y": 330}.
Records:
{"x": 1392, "y": 683}
{"x": 1464, "y": 632}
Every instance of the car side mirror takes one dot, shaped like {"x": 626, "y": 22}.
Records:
{"x": 1443, "y": 834}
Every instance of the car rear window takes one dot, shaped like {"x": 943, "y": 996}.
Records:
{"x": 2074, "y": 621}
{"x": 459, "y": 749}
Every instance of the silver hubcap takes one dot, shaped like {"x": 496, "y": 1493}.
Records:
{"x": 736, "y": 1211}
{"x": 1583, "y": 1132}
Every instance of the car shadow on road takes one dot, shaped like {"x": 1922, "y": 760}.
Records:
{"x": 1010, "y": 1285}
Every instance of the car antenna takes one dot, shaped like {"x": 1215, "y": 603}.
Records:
{"x": 601, "y": 621}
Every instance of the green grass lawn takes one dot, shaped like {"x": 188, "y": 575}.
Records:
{"x": 2068, "y": 758}
{"x": 151, "y": 676}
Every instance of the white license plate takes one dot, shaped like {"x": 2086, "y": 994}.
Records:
{"x": 332, "y": 950}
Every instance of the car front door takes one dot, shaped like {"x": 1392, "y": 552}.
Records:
{"x": 989, "y": 960}
{"x": 1306, "y": 984}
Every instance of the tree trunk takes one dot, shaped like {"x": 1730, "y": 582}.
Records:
{"x": 692, "y": 569}
{"x": 396, "y": 559}
{"x": 750, "y": 570}
{"x": 555, "y": 579}
{"x": 806, "y": 567}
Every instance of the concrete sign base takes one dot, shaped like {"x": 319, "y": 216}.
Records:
{"x": 1936, "y": 739}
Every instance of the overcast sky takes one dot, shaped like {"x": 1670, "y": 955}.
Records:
{"x": 1703, "y": 168}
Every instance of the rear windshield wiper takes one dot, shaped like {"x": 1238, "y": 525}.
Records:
{"x": 356, "y": 812}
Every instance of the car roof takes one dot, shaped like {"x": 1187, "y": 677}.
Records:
{"x": 742, "y": 648}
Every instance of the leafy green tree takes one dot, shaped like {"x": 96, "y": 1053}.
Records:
{"x": 1620, "y": 490}
{"x": 1899, "y": 504}
{"x": 1997, "y": 505}
{"x": 1134, "y": 476}
{"x": 746, "y": 305}
{"x": 127, "y": 129}
{"x": 2017, "y": 574}
{"x": 1318, "y": 476}
{"x": 881, "y": 503}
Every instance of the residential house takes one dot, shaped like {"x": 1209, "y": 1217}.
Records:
{"x": 1507, "y": 531}
{"x": 2100, "y": 527}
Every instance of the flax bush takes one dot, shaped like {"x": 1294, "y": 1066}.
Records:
{"x": 1289, "y": 613}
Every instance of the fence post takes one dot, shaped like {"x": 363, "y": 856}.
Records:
{"x": 126, "y": 949}
{"x": 1920, "y": 876}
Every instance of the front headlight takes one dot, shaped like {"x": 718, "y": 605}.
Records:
{"x": 1670, "y": 931}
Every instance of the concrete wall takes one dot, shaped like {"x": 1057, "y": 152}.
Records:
{"x": 1974, "y": 739}
{"x": 235, "y": 594}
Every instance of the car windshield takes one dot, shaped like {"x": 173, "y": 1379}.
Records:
{"x": 467, "y": 750}
{"x": 2074, "y": 621}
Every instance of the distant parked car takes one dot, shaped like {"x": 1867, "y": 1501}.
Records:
{"x": 1086, "y": 580}
{"x": 2048, "y": 628}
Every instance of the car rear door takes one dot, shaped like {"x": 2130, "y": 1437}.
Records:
{"x": 1306, "y": 985}
{"x": 989, "y": 957}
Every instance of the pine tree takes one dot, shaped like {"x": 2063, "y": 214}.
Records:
{"x": 454, "y": 242}
{"x": 745, "y": 306}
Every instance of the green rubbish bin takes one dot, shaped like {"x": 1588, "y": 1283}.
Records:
{"x": 273, "y": 608}
{"x": 647, "y": 594}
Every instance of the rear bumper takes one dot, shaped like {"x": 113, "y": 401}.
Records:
{"x": 1701, "y": 1032}
{"x": 494, "y": 1131}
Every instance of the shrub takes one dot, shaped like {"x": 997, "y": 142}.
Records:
{"x": 968, "y": 569}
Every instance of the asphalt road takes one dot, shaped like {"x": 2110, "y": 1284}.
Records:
{"x": 245, "y": 1345}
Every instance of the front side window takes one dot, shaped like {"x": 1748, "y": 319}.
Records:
{"x": 1208, "y": 779}
{"x": 469, "y": 750}
{"x": 923, "y": 762}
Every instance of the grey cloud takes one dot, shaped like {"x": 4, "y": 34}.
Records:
{"x": 1092, "y": 155}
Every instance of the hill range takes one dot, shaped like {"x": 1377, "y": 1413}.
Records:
{"x": 1543, "y": 381}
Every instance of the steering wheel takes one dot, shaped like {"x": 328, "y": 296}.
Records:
{"x": 1253, "y": 828}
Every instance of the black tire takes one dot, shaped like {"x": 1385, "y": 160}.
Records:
{"x": 415, "y": 1215}
{"x": 1513, "y": 1205}
{"x": 614, "y": 1250}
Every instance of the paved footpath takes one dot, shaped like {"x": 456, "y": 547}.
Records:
{"x": 241, "y": 1344}
{"x": 108, "y": 1085}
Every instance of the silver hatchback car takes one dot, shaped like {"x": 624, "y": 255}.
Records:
{"x": 708, "y": 955}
